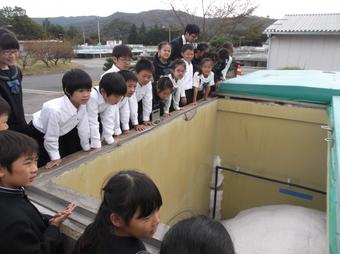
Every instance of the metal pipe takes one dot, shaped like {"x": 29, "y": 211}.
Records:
{"x": 215, "y": 192}
{"x": 238, "y": 171}
{"x": 272, "y": 180}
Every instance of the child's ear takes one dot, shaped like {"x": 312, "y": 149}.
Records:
{"x": 115, "y": 59}
{"x": 2, "y": 172}
{"x": 102, "y": 91}
{"x": 67, "y": 93}
{"x": 116, "y": 220}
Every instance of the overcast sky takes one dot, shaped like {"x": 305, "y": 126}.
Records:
{"x": 52, "y": 8}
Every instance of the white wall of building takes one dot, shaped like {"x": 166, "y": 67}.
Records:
{"x": 310, "y": 52}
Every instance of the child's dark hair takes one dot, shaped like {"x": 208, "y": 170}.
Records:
{"x": 164, "y": 83}
{"x": 203, "y": 61}
{"x": 4, "y": 107}
{"x": 121, "y": 50}
{"x": 113, "y": 84}
{"x": 202, "y": 46}
{"x": 228, "y": 45}
{"x": 124, "y": 194}
{"x": 13, "y": 146}
{"x": 192, "y": 29}
{"x": 144, "y": 64}
{"x": 75, "y": 79}
{"x": 163, "y": 43}
{"x": 199, "y": 235}
{"x": 8, "y": 40}
{"x": 223, "y": 54}
{"x": 187, "y": 47}
{"x": 128, "y": 75}
{"x": 176, "y": 63}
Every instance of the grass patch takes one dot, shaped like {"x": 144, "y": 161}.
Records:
{"x": 40, "y": 68}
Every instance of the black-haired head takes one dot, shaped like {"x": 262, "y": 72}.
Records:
{"x": 8, "y": 40}
{"x": 192, "y": 29}
{"x": 199, "y": 235}
{"x": 76, "y": 79}
{"x": 4, "y": 107}
{"x": 113, "y": 84}
{"x": 205, "y": 60}
{"x": 144, "y": 65}
{"x": 128, "y": 75}
{"x": 202, "y": 46}
{"x": 187, "y": 47}
{"x": 125, "y": 194}
{"x": 223, "y": 54}
{"x": 176, "y": 63}
{"x": 162, "y": 44}
{"x": 121, "y": 50}
{"x": 164, "y": 83}
{"x": 13, "y": 146}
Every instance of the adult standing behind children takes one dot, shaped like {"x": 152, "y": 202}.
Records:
{"x": 191, "y": 33}
{"x": 10, "y": 80}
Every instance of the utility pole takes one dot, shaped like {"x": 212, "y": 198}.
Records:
{"x": 99, "y": 43}
{"x": 84, "y": 37}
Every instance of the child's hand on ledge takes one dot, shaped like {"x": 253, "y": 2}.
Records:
{"x": 184, "y": 101}
{"x": 148, "y": 123}
{"x": 54, "y": 163}
{"x": 94, "y": 150}
{"x": 194, "y": 103}
{"x": 139, "y": 127}
{"x": 60, "y": 217}
{"x": 166, "y": 115}
{"x": 126, "y": 132}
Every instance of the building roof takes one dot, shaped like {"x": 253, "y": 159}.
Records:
{"x": 306, "y": 24}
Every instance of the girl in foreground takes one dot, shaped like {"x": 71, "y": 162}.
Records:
{"x": 129, "y": 212}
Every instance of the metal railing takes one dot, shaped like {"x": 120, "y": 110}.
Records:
{"x": 239, "y": 172}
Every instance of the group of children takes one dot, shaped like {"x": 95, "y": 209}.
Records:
{"x": 86, "y": 116}
{"x": 129, "y": 212}
{"x": 82, "y": 119}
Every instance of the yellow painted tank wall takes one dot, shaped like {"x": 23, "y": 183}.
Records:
{"x": 177, "y": 156}
{"x": 270, "y": 140}
{"x": 274, "y": 141}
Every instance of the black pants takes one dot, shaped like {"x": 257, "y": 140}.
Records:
{"x": 68, "y": 144}
{"x": 190, "y": 95}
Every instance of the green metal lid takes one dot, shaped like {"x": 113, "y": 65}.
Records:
{"x": 292, "y": 85}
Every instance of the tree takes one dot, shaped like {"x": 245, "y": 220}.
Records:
{"x": 133, "y": 35}
{"x": 23, "y": 26}
{"x": 117, "y": 29}
{"x": 27, "y": 56}
{"x": 218, "y": 41}
{"x": 142, "y": 33}
{"x": 218, "y": 16}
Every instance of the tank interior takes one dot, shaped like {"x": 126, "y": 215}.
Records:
{"x": 267, "y": 139}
